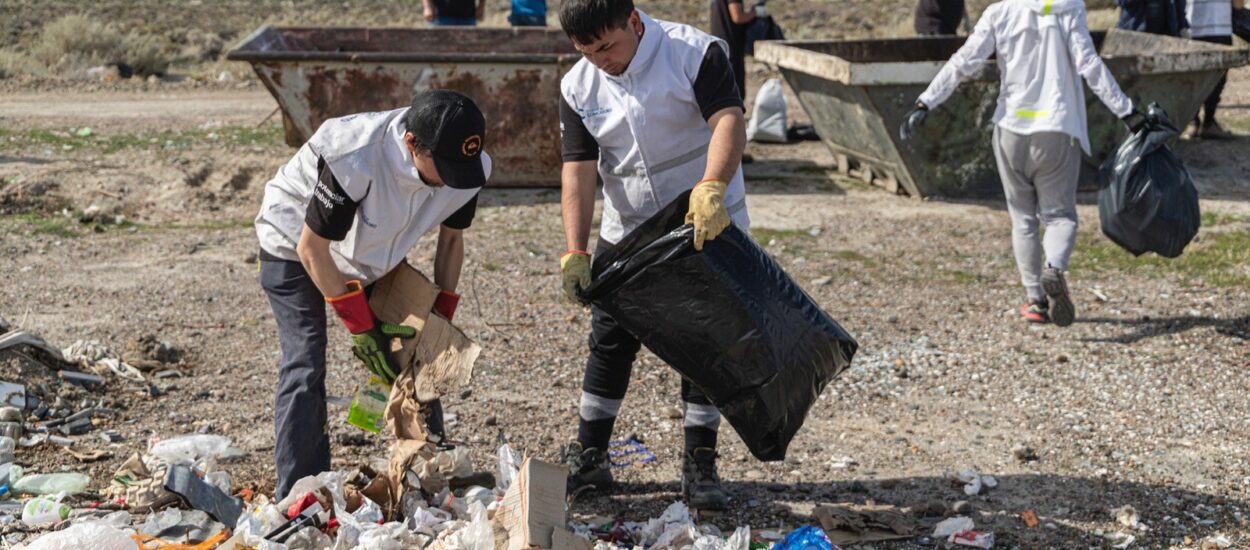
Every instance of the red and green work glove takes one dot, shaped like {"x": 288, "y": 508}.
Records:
{"x": 707, "y": 211}
{"x": 446, "y": 303}
{"x": 371, "y": 339}
{"x": 575, "y": 270}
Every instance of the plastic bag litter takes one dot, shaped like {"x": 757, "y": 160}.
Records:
{"x": 951, "y": 526}
{"x": 509, "y": 467}
{"x": 768, "y": 115}
{"x": 740, "y": 540}
{"x": 729, "y": 319}
{"x": 808, "y": 537}
{"x": 1148, "y": 202}
{"x": 477, "y": 534}
{"x": 189, "y": 449}
{"x": 49, "y": 484}
{"x": 94, "y": 535}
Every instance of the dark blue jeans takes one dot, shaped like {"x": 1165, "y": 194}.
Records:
{"x": 301, "y": 446}
{"x": 440, "y": 21}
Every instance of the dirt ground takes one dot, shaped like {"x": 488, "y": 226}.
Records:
{"x": 1142, "y": 402}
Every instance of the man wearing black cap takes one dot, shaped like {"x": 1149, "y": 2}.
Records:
{"x": 339, "y": 216}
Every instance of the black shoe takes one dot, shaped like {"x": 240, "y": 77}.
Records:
{"x": 436, "y": 431}
{"x": 588, "y": 468}
{"x": 700, "y": 484}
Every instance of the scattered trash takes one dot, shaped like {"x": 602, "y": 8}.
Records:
{"x": 1127, "y": 516}
{"x": 973, "y": 539}
{"x": 1218, "y": 541}
{"x": 973, "y": 482}
{"x": 624, "y": 453}
{"x": 44, "y": 511}
{"x": 948, "y": 527}
{"x": 368, "y": 405}
{"x": 849, "y": 523}
{"x": 1030, "y": 518}
{"x": 842, "y": 463}
{"x": 182, "y": 481}
{"x": 83, "y": 132}
{"x": 50, "y": 484}
{"x": 533, "y": 506}
{"x": 94, "y": 535}
{"x": 181, "y": 526}
{"x": 1120, "y": 541}
{"x": 808, "y": 537}
{"x": 190, "y": 450}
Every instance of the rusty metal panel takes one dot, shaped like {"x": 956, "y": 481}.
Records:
{"x": 857, "y": 92}
{"x": 512, "y": 74}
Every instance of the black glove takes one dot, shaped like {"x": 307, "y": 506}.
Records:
{"x": 913, "y": 121}
{"x": 1135, "y": 121}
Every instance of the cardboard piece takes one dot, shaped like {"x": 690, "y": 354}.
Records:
{"x": 848, "y": 523}
{"x": 534, "y": 506}
{"x": 438, "y": 360}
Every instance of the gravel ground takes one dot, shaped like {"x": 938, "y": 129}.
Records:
{"x": 1141, "y": 402}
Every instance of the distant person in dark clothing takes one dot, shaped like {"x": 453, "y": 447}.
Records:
{"x": 1211, "y": 21}
{"x": 938, "y": 17}
{"x": 729, "y": 23}
{"x": 442, "y": 13}
{"x": 528, "y": 13}
{"x": 1153, "y": 16}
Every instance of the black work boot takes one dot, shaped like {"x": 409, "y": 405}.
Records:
{"x": 700, "y": 484}
{"x": 588, "y": 468}
{"x": 436, "y": 431}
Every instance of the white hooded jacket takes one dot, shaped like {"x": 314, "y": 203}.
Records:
{"x": 1042, "y": 47}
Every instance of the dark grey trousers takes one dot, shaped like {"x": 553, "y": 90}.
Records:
{"x": 301, "y": 446}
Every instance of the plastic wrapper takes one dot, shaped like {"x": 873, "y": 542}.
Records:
{"x": 1148, "y": 202}
{"x": 94, "y": 535}
{"x": 808, "y": 537}
{"x": 49, "y": 484}
{"x": 728, "y": 319}
{"x": 190, "y": 449}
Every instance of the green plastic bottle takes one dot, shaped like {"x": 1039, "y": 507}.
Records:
{"x": 369, "y": 405}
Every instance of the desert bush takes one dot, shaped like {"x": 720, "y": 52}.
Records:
{"x": 76, "y": 42}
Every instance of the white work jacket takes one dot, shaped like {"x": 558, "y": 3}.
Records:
{"x": 1042, "y": 46}
{"x": 653, "y": 139}
{"x": 368, "y": 158}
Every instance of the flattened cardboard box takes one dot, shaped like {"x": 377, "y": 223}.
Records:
{"x": 534, "y": 507}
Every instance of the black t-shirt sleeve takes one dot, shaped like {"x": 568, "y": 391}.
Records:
{"x": 331, "y": 212}
{"x": 715, "y": 87}
{"x": 576, "y": 142}
{"x": 462, "y": 218}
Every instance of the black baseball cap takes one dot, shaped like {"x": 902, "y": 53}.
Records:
{"x": 450, "y": 124}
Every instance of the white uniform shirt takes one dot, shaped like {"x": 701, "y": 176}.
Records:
{"x": 367, "y": 156}
{"x": 1209, "y": 17}
{"x": 652, "y": 137}
{"x": 1042, "y": 47}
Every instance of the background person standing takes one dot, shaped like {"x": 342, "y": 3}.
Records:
{"x": 528, "y": 13}
{"x": 938, "y": 17}
{"x": 729, "y": 23}
{"x": 445, "y": 13}
{"x": 1211, "y": 21}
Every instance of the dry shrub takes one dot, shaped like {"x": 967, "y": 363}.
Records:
{"x": 76, "y": 42}
{"x": 14, "y": 62}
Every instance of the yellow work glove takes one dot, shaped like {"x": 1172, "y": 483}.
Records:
{"x": 575, "y": 269}
{"x": 707, "y": 211}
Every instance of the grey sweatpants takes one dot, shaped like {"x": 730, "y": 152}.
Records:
{"x": 1040, "y": 173}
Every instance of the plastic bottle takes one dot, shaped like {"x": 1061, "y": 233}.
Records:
{"x": 45, "y": 510}
{"x": 369, "y": 405}
{"x": 48, "y": 484}
{"x": 7, "y": 446}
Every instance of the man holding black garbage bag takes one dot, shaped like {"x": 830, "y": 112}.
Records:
{"x": 1043, "y": 49}
{"x": 654, "y": 111}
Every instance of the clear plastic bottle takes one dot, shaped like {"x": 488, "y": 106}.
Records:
{"x": 369, "y": 405}
{"x": 50, "y": 484}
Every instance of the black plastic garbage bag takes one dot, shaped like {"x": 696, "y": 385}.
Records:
{"x": 728, "y": 319}
{"x": 1148, "y": 202}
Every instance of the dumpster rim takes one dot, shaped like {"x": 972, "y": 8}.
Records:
{"x": 240, "y": 51}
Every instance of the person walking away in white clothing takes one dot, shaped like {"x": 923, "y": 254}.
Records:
{"x": 1043, "y": 48}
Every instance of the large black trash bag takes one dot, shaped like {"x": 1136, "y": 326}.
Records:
{"x": 1148, "y": 202}
{"x": 728, "y": 319}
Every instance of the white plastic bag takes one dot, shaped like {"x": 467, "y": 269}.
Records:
{"x": 94, "y": 535}
{"x": 189, "y": 449}
{"x": 768, "y": 116}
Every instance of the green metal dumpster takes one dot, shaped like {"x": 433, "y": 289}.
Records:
{"x": 316, "y": 73}
{"x": 857, "y": 92}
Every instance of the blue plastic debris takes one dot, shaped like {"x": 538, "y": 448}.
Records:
{"x": 808, "y": 537}
{"x": 624, "y": 453}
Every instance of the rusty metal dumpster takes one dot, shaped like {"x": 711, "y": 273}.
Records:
{"x": 512, "y": 74}
{"x": 857, "y": 92}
